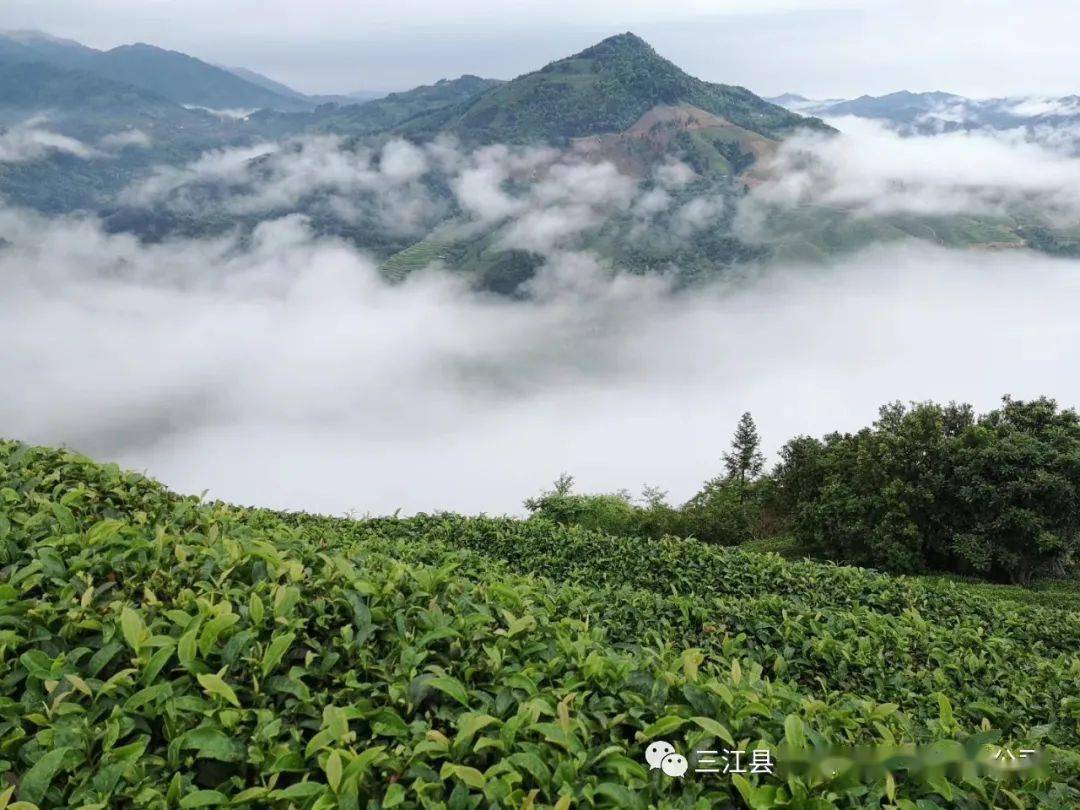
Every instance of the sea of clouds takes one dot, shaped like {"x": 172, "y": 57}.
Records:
{"x": 280, "y": 369}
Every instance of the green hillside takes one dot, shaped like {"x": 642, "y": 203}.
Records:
{"x": 168, "y": 74}
{"x": 396, "y": 108}
{"x": 603, "y": 89}
{"x": 37, "y": 46}
{"x": 88, "y": 107}
{"x": 616, "y": 102}
{"x": 164, "y": 652}
{"x": 185, "y": 79}
{"x": 31, "y": 87}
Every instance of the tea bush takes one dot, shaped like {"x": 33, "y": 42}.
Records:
{"x": 162, "y": 652}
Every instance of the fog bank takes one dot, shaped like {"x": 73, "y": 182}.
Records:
{"x": 286, "y": 373}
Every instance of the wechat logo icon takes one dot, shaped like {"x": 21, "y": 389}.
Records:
{"x": 663, "y": 755}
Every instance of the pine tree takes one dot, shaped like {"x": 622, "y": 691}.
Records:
{"x": 745, "y": 462}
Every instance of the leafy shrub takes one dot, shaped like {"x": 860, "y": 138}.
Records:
{"x": 728, "y": 510}
{"x": 162, "y": 652}
{"x": 934, "y": 488}
{"x": 614, "y": 513}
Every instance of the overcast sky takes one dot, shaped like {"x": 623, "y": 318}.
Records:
{"x": 815, "y": 47}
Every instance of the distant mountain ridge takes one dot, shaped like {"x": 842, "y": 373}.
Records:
{"x": 602, "y": 90}
{"x": 937, "y": 111}
{"x": 169, "y": 74}
{"x": 358, "y": 97}
{"x": 617, "y": 103}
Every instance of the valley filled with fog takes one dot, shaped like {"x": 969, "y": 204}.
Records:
{"x": 283, "y": 369}
{"x": 444, "y": 298}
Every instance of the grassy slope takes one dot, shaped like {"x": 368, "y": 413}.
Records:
{"x": 159, "y": 651}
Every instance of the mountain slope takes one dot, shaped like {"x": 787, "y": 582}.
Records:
{"x": 386, "y": 112}
{"x": 39, "y": 46}
{"x": 168, "y": 74}
{"x": 186, "y": 80}
{"x": 36, "y": 87}
{"x": 95, "y": 111}
{"x": 605, "y": 88}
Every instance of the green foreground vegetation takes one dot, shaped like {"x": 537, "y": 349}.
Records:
{"x": 926, "y": 488}
{"x": 159, "y": 651}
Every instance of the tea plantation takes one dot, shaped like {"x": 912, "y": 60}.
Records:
{"x": 157, "y": 651}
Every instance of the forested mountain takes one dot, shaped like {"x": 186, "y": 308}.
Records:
{"x": 606, "y": 88}
{"x": 169, "y": 74}
{"x": 40, "y": 87}
{"x": 187, "y": 80}
{"x": 35, "y": 46}
{"x": 901, "y": 107}
{"x": 680, "y": 155}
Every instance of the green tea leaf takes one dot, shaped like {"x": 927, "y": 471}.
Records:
{"x": 215, "y": 685}
{"x": 275, "y": 651}
{"x": 204, "y": 798}
{"x": 664, "y": 726}
{"x": 470, "y": 776}
{"x": 450, "y": 686}
{"x": 133, "y": 628}
{"x": 35, "y": 782}
{"x": 794, "y": 732}
{"x": 717, "y": 729}
{"x": 334, "y": 770}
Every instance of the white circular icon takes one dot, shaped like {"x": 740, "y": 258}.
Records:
{"x": 674, "y": 765}
{"x": 656, "y": 752}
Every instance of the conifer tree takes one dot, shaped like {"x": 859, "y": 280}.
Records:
{"x": 745, "y": 462}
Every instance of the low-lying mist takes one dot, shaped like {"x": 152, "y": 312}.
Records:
{"x": 284, "y": 372}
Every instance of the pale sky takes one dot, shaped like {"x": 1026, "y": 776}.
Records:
{"x": 815, "y": 47}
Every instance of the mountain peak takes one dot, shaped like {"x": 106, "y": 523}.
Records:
{"x": 620, "y": 50}
{"x": 145, "y": 47}
{"x": 603, "y": 89}
{"x": 625, "y": 42}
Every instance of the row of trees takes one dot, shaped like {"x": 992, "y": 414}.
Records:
{"x": 925, "y": 488}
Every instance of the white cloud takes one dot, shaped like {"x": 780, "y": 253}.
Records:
{"x": 219, "y": 165}
{"x": 284, "y": 372}
{"x": 480, "y": 184}
{"x": 543, "y": 197}
{"x": 870, "y": 170}
{"x": 229, "y": 114}
{"x": 275, "y": 178}
{"x": 698, "y": 214}
{"x": 127, "y": 139}
{"x": 402, "y": 162}
{"x": 30, "y": 140}
{"x": 652, "y": 202}
{"x": 1043, "y": 106}
{"x": 673, "y": 173}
